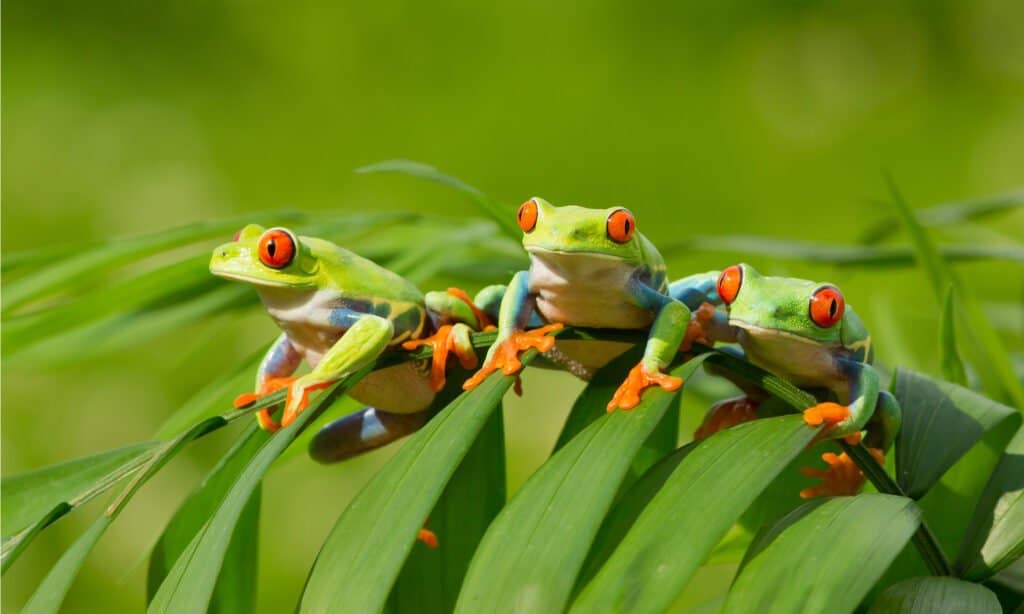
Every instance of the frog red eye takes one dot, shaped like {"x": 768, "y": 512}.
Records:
{"x": 527, "y": 215}
{"x": 277, "y": 248}
{"x": 729, "y": 282}
{"x": 827, "y": 306}
{"x": 621, "y": 225}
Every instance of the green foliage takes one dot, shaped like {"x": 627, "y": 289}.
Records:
{"x": 618, "y": 518}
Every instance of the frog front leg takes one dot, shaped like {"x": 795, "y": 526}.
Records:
{"x": 867, "y": 406}
{"x": 274, "y": 373}
{"x": 363, "y": 341}
{"x": 517, "y": 311}
{"x": 668, "y": 333}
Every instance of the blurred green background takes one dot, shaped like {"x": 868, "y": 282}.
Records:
{"x": 776, "y": 119}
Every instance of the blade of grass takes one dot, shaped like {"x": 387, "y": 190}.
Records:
{"x": 672, "y": 536}
{"x": 499, "y": 214}
{"x": 16, "y": 544}
{"x": 832, "y": 253}
{"x": 527, "y": 560}
{"x": 983, "y": 346}
{"x": 29, "y": 496}
{"x": 190, "y": 583}
{"x": 431, "y": 577}
{"x": 364, "y": 552}
{"x": 824, "y": 556}
{"x": 947, "y": 213}
{"x": 949, "y": 357}
{"x": 92, "y": 264}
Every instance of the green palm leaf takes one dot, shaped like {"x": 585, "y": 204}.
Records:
{"x": 942, "y": 595}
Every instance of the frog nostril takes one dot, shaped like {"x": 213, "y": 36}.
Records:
{"x": 224, "y": 253}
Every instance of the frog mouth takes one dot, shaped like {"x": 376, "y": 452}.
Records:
{"x": 256, "y": 281}
{"x": 755, "y": 332}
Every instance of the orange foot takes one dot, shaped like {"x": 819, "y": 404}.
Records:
{"x": 506, "y": 355}
{"x": 443, "y": 342}
{"x": 829, "y": 414}
{"x": 697, "y": 328}
{"x": 842, "y": 478}
{"x": 293, "y": 407}
{"x": 724, "y": 414}
{"x": 427, "y": 537}
{"x": 628, "y": 395}
{"x": 269, "y": 386}
{"x": 483, "y": 320}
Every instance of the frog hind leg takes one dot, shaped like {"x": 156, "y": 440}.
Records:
{"x": 842, "y": 477}
{"x": 361, "y": 432}
{"x": 670, "y": 328}
{"x": 727, "y": 413}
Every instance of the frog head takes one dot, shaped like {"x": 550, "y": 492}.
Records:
{"x": 779, "y": 309}
{"x": 274, "y": 257}
{"x": 609, "y": 233}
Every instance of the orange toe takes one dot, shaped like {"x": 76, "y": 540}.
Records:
{"x": 829, "y": 414}
{"x": 483, "y": 320}
{"x": 639, "y": 379}
{"x": 266, "y": 422}
{"x": 442, "y": 342}
{"x": 697, "y": 327}
{"x": 427, "y": 537}
{"x": 506, "y": 355}
{"x": 841, "y": 478}
{"x": 269, "y": 386}
{"x": 292, "y": 410}
{"x": 725, "y": 414}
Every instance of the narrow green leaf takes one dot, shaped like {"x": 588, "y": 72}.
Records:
{"x": 995, "y": 536}
{"x": 180, "y": 280}
{"x": 527, "y": 560}
{"x": 197, "y": 510}
{"x": 941, "y": 422}
{"x": 835, "y": 253}
{"x": 431, "y": 578}
{"x": 936, "y": 595}
{"x": 504, "y": 217}
{"x": 190, "y": 583}
{"x": 591, "y": 405}
{"x": 947, "y": 213}
{"x": 824, "y": 556}
{"x": 30, "y": 496}
{"x": 672, "y": 536}
{"x": 364, "y": 552}
{"x": 984, "y": 348}
{"x": 949, "y": 356}
{"x": 50, "y": 594}
{"x": 238, "y": 582}
{"x": 91, "y": 264}
{"x": 14, "y": 545}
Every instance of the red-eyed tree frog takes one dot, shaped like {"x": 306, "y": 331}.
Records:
{"x": 338, "y": 312}
{"x": 589, "y": 268}
{"x": 804, "y": 332}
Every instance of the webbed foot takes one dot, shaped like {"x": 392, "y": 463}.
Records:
{"x": 829, "y": 414}
{"x": 298, "y": 399}
{"x": 725, "y": 414}
{"x": 269, "y": 386}
{"x": 639, "y": 379}
{"x": 842, "y": 478}
{"x": 506, "y": 355}
{"x": 448, "y": 338}
{"x": 697, "y": 327}
{"x": 428, "y": 537}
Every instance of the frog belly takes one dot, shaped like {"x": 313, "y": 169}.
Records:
{"x": 585, "y": 290}
{"x": 805, "y": 363}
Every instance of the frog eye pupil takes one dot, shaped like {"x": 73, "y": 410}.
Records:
{"x": 833, "y": 308}
{"x": 272, "y": 248}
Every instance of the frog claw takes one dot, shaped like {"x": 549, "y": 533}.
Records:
{"x": 640, "y": 378}
{"x": 506, "y": 354}
{"x": 829, "y": 414}
{"x": 269, "y": 386}
{"x": 444, "y": 341}
{"x": 298, "y": 400}
{"x": 697, "y": 327}
{"x": 725, "y": 414}
{"x": 842, "y": 478}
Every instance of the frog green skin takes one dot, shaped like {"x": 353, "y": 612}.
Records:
{"x": 338, "y": 312}
{"x": 804, "y": 332}
{"x": 588, "y": 268}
